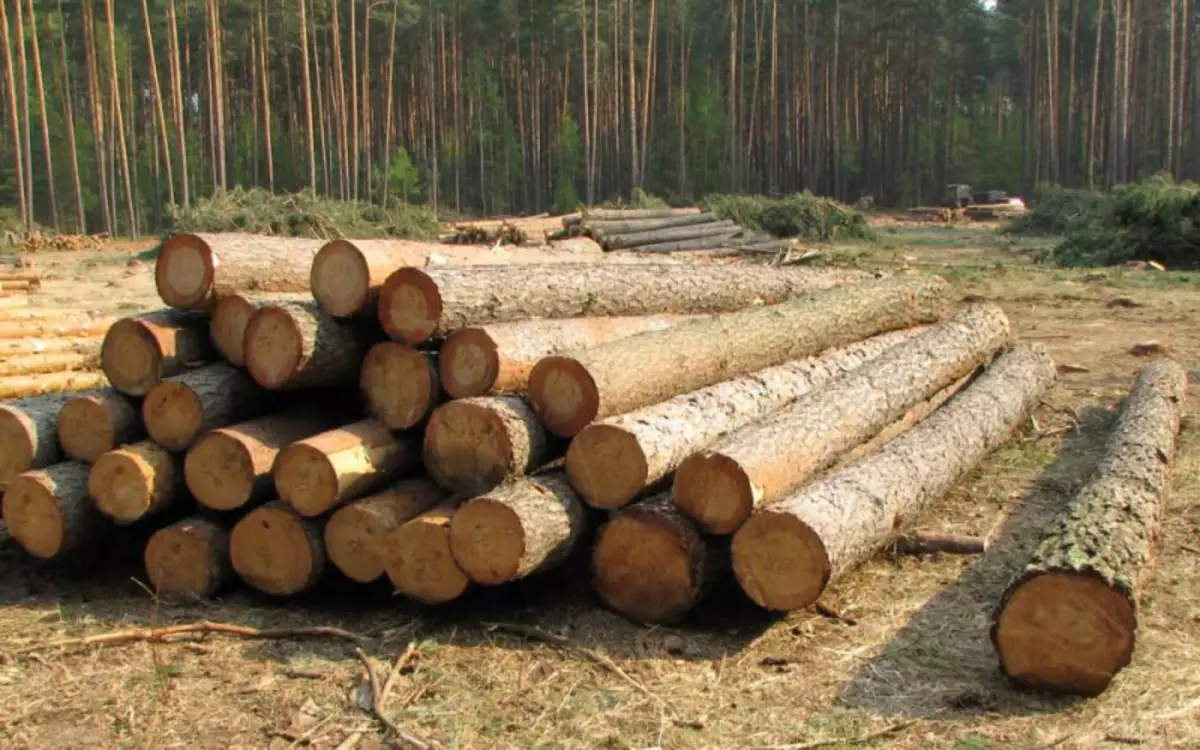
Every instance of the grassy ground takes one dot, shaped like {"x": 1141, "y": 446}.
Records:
{"x": 902, "y": 644}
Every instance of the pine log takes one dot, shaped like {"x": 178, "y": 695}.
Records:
{"x": 474, "y": 444}
{"x": 417, "y": 304}
{"x": 607, "y": 214}
{"x": 138, "y": 352}
{"x": 54, "y": 329}
{"x": 320, "y": 473}
{"x": 89, "y": 346}
{"x": 789, "y": 552}
{"x": 36, "y": 315}
{"x": 762, "y": 462}
{"x": 417, "y": 559}
{"x": 497, "y": 359}
{"x": 601, "y": 228}
{"x": 354, "y": 531}
{"x": 657, "y": 237}
{"x": 189, "y": 558}
{"x": 276, "y": 551}
{"x": 517, "y": 530}
{"x": 179, "y": 410}
{"x": 613, "y": 461}
{"x": 570, "y": 391}
{"x": 92, "y": 424}
{"x": 29, "y": 435}
{"x": 230, "y": 467}
{"x": 194, "y": 270}
{"x": 22, "y": 285}
{"x": 399, "y": 384}
{"x": 298, "y": 345}
{"x": 49, "y": 513}
{"x": 926, "y": 543}
{"x": 136, "y": 481}
{"x": 706, "y": 242}
{"x": 55, "y": 383}
{"x": 231, "y": 314}
{"x": 10, "y": 303}
{"x": 1068, "y": 622}
{"x": 31, "y": 275}
{"x": 32, "y": 364}
{"x": 651, "y": 563}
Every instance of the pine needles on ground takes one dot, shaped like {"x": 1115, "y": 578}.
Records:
{"x": 799, "y": 215}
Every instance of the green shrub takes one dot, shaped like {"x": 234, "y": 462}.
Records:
{"x": 641, "y": 199}
{"x": 1058, "y": 210}
{"x": 799, "y": 215}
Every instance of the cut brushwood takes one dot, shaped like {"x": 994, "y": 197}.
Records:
{"x": 136, "y": 481}
{"x": 417, "y": 559}
{"x": 298, "y": 345}
{"x": 92, "y": 424}
{"x": 276, "y": 551}
{"x": 29, "y": 434}
{"x": 189, "y": 558}
{"x": 399, "y": 384}
{"x": 231, "y": 314}
{"x": 1068, "y": 622}
{"x": 194, "y": 270}
{"x": 180, "y": 409}
{"x": 28, "y": 386}
{"x": 49, "y": 513}
{"x": 138, "y": 352}
{"x": 354, "y": 532}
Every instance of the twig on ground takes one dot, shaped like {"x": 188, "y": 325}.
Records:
{"x": 860, "y": 740}
{"x": 1123, "y": 740}
{"x": 377, "y": 708}
{"x": 165, "y": 634}
{"x": 923, "y": 543}
{"x": 830, "y": 613}
{"x": 402, "y": 661}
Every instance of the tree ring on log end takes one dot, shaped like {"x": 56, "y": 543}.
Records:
{"x": 227, "y": 327}
{"x": 173, "y": 415}
{"x": 715, "y": 491}
{"x": 352, "y": 535}
{"x": 131, "y": 358}
{"x": 642, "y": 570}
{"x": 122, "y": 485}
{"x": 418, "y": 562}
{"x": 398, "y": 384}
{"x": 468, "y": 363}
{"x": 340, "y": 279}
{"x": 410, "y": 306}
{"x": 1065, "y": 632}
{"x": 85, "y": 429}
{"x": 780, "y": 562}
{"x": 563, "y": 395}
{"x": 271, "y": 549}
{"x": 219, "y": 472}
{"x": 467, "y": 448}
{"x": 179, "y": 558}
{"x": 17, "y": 449}
{"x": 606, "y": 466}
{"x": 273, "y": 347}
{"x": 33, "y": 516}
{"x": 488, "y": 541}
{"x": 183, "y": 273}
{"x": 306, "y": 479}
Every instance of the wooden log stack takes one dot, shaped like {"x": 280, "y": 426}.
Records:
{"x": 669, "y": 230}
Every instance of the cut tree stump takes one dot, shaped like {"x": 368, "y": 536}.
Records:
{"x": 276, "y": 551}
{"x": 354, "y": 532}
{"x": 42, "y": 362}
{"x": 29, "y": 434}
{"x": 179, "y": 410}
{"x": 1068, "y": 622}
{"x": 298, "y": 345}
{"x": 194, "y": 270}
{"x": 92, "y": 424}
{"x": 417, "y": 559}
{"x": 570, "y": 391}
{"x": 399, "y": 384}
{"x": 58, "y": 383}
{"x": 231, "y": 315}
{"x": 136, "y": 481}
{"x": 719, "y": 487}
{"x": 49, "y": 513}
{"x": 138, "y": 352}
{"x": 613, "y": 461}
{"x": 317, "y": 474}
{"x": 677, "y": 234}
{"x": 189, "y": 558}
{"x": 789, "y": 552}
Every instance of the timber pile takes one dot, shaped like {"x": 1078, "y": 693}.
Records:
{"x": 668, "y": 230}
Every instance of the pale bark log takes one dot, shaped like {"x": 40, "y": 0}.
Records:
{"x": 194, "y": 270}
{"x": 92, "y": 424}
{"x": 399, "y": 384}
{"x": 57, "y": 383}
{"x": 603, "y": 227}
{"x": 138, "y": 352}
{"x": 299, "y": 345}
{"x": 231, "y": 314}
{"x": 180, "y": 409}
{"x": 49, "y": 513}
{"x": 635, "y": 240}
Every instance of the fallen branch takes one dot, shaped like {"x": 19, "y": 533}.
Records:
{"x": 919, "y": 543}
{"x": 377, "y": 707}
{"x": 165, "y": 634}
{"x": 861, "y": 740}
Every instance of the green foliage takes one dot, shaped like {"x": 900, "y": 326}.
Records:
{"x": 1059, "y": 210}
{"x": 799, "y": 215}
{"x": 641, "y": 199}
{"x": 403, "y": 178}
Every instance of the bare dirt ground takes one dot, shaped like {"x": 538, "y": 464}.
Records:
{"x": 898, "y": 657}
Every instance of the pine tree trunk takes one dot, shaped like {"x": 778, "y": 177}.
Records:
{"x": 177, "y": 101}
{"x": 231, "y": 314}
{"x": 41, "y": 87}
{"x": 400, "y": 385}
{"x": 418, "y": 561}
{"x": 297, "y": 345}
{"x": 355, "y": 531}
{"x": 179, "y": 410}
{"x": 276, "y": 551}
{"x": 160, "y": 113}
{"x": 29, "y": 434}
{"x": 26, "y": 127}
{"x": 608, "y": 227}
{"x": 707, "y": 242}
{"x": 92, "y": 424}
{"x": 139, "y": 352}
{"x": 49, "y": 513}
{"x": 189, "y": 559}
{"x": 69, "y": 126}
{"x": 14, "y": 119}
{"x": 120, "y": 127}
{"x": 194, "y": 270}
{"x": 136, "y": 481}
{"x": 660, "y": 236}
{"x": 308, "y": 99}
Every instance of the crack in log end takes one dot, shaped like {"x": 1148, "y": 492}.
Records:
{"x": 564, "y": 395}
{"x": 410, "y": 306}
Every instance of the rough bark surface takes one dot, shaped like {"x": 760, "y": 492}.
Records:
{"x": 1068, "y": 622}
{"x": 138, "y": 352}
{"x": 601, "y": 228}
{"x": 399, "y": 384}
{"x": 180, "y": 409}
{"x": 92, "y": 424}
{"x": 276, "y": 551}
{"x": 28, "y": 386}
{"x": 194, "y": 270}
{"x": 49, "y": 513}
{"x": 659, "y": 236}
{"x": 29, "y": 434}
{"x": 709, "y": 241}
{"x": 354, "y": 531}
{"x": 606, "y": 214}
{"x": 188, "y": 558}
{"x": 417, "y": 558}
{"x": 136, "y": 481}
{"x": 298, "y": 345}
{"x": 790, "y": 551}
{"x": 231, "y": 314}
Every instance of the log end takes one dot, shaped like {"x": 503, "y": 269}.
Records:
{"x": 418, "y": 561}
{"x": 467, "y": 449}
{"x": 219, "y": 472}
{"x": 352, "y": 536}
{"x": 607, "y": 466}
{"x": 399, "y": 385}
{"x": 1064, "y": 632}
{"x": 340, "y": 279}
{"x": 227, "y": 327}
{"x": 183, "y": 273}
{"x": 715, "y": 491}
{"x": 17, "y": 444}
{"x": 274, "y": 347}
{"x": 410, "y": 306}
{"x": 276, "y": 551}
{"x": 642, "y": 570}
{"x": 188, "y": 558}
{"x": 780, "y": 562}
{"x": 563, "y": 395}
{"x": 33, "y": 515}
{"x": 173, "y": 415}
{"x": 131, "y": 358}
{"x": 85, "y": 429}
{"x": 306, "y": 479}
{"x": 122, "y": 485}
{"x": 487, "y": 540}
{"x": 468, "y": 363}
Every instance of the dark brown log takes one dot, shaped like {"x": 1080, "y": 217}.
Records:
{"x": 762, "y": 462}
{"x": 705, "y": 242}
{"x": 194, "y": 270}
{"x": 276, "y": 551}
{"x": 189, "y": 558}
{"x": 91, "y": 424}
{"x": 49, "y": 513}
{"x": 657, "y": 237}
{"x": 354, "y": 532}
{"x": 607, "y": 214}
{"x": 400, "y": 384}
{"x": 58, "y": 383}
{"x": 417, "y": 558}
{"x": 1068, "y": 622}
{"x": 136, "y": 481}
{"x": 298, "y": 345}
{"x": 926, "y": 543}
{"x": 29, "y": 434}
{"x": 231, "y": 314}
{"x": 179, "y": 410}
{"x": 603, "y": 227}
{"x": 138, "y": 352}
{"x": 789, "y": 552}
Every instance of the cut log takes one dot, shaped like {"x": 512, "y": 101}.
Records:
{"x": 601, "y": 228}
{"x": 138, "y": 352}
{"x": 621, "y": 214}
{"x": 230, "y": 467}
{"x": 231, "y": 314}
{"x": 570, "y": 391}
{"x": 194, "y": 270}
{"x": 29, "y": 435}
{"x": 705, "y": 242}
{"x": 789, "y": 552}
{"x": 399, "y": 384}
{"x": 354, "y": 531}
{"x": 54, "y": 329}
{"x": 416, "y": 304}
{"x": 136, "y": 481}
{"x": 89, "y": 346}
{"x": 1068, "y": 622}
{"x": 319, "y": 473}
{"x": 10, "y": 303}
{"x": 613, "y": 461}
{"x": 678, "y": 234}
{"x": 276, "y": 551}
{"x": 23, "y": 285}
{"x": 519, "y": 529}
{"x": 49, "y": 513}
{"x": 417, "y": 559}
{"x": 762, "y": 462}
{"x": 473, "y": 445}
{"x": 298, "y": 345}
{"x": 651, "y": 563}
{"x": 179, "y": 410}
{"x": 92, "y": 424}
{"x": 31, "y": 364}
{"x": 56, "y": 383}
{"x": 32, "y": 275}
{"x": 189, "y": 558}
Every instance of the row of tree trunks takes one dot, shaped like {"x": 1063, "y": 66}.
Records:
{"x": 635, "y": 240}
{"x": 601, "y": 228}
{"x": 609, "y": 214}
{"x": 193, "y": 271}
{"x": 179, "y": 410}
{"x": 231, "y": 314}
{"x": 28, "y": 386}
{"x": 400, "y": 384}
{"x": 92, "y": 424}
{"x": 298, "y": 345}
{"x": 712, "y": 241}
{"x": 139, "y": 351}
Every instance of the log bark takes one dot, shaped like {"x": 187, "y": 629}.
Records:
{"x": 277, "y": 551}
{"x": 760, "y": 463}
{"x": 607, "y": 214}
{"x": 231, "y": 314}
{"x": 1068, "y": 622}
{"x": 519, "y": 529}
{"x": 179, "y": 410}
{"x": 189, "y": 558}
{"x": 298, "y": 345}
{"x": 497, "y": 359}
{"x": 49, "y": 513}
{"x": 705, "y": 242}
{"x": 604, "y": 227}
{"x": 54, "y": 329}
{"x": 354, "y": 532}
{"x": 417, "y": 558}
{"x": 194, "y": 270}
{"x": 613, "y": 461}
{"x": 789, "y": 552}
{"x": 29, "y": 434}
{"x": 136, "y": 481}
{"x": 138, "y": 352}
{"x": 320, "y": 473}
{"x": 400, "y": 384}
{"x": 658, "y": 237}
{"x": 32, "y": 364}
{"x": 417, "y": 304}
{"x": 57, "y": 383}
{"x": 924, "y": 543}
{"x": 91, "y": 424}
{"x": 570, "y": 391}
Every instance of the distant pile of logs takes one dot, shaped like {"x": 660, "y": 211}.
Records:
{"x": 668, "y": 230}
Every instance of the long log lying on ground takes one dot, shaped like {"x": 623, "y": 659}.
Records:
{"x": 194, "y": 270}
{"x": 179, "y": 410}
{"x": 89, "y": 346}
{"x": 139, "y": 351}
{"x": 603, "y": 227}
{"x": 56, "y": 383}
{"x": 1068, "y": 622}
{"x": 298, "y": 345}
{"x": 136, "y": 481}
{"x": 678, "y": 234}
{"x": 188, "y": 558}
{"x": 497, "y": 359}
{"x": 354, "y": 532}
{"x": 29, "y": 434}
{"x": 517, "y": 530}
{"x": 91, "y": 424}
{"x": 54, "y": 329}
{"x": 9, "y": 303}
{"x": 606, "y": 214}
{"x": 319, "y": 473}
{"x": 789, "y": 552}
{"x": 277, "y": 551}
{"x": 762, "y": 462}
{"x": 33, "y": 364}
{"x": 570, "y": 391}
{"x": 49, "y": 513}
{"x": 231, "y": 314}
{"x": 417, "y": 559}
{"x": 417, "y": 304}
{"x": 399, "y": 384}
{"x": 705, "y": 242}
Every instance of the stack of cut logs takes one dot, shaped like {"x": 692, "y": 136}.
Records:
{"x": 298, "y": 404}
{"x": 668, "y": 230}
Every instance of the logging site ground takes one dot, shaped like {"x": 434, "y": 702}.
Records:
{"x": 897, "y": 656}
